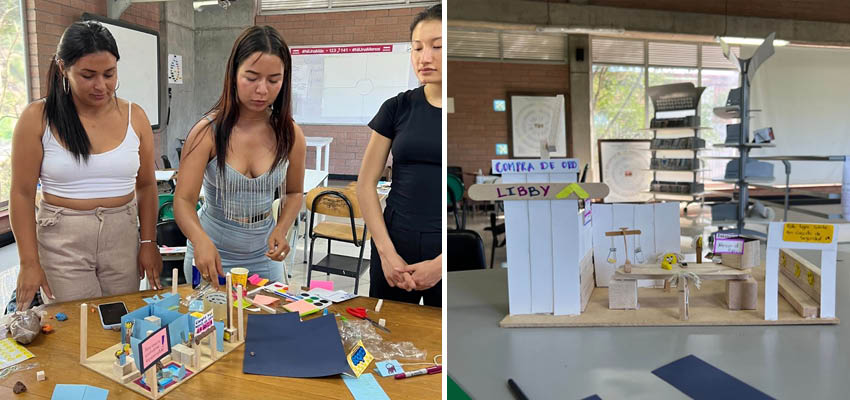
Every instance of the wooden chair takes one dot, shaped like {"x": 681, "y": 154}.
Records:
{"x": 336, "y": 202}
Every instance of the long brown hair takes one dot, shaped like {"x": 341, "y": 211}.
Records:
{"x": 264, "y": 39}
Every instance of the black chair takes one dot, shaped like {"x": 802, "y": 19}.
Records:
{"x": 169, "y": 234}
{"x": 497, "y": 229}
{"x": 465, "y": 250}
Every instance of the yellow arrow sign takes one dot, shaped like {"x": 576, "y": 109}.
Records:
{"x": 570, "y": 189}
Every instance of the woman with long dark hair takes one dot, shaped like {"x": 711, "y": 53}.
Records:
{"x": 245, "y": 148}
{"x": 93, "y": 153}
{"x": 406, "y": 263}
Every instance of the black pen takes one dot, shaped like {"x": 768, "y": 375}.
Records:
{"x": 517, "y": 392}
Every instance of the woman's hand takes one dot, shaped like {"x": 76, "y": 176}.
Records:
{"x": 425, "y": 274}
{"x": 392, "y": 263}
{"x": 30, "y": 278}
{"x": 150, "y": 264}
{"x": 208, "y": 261}
{"x": 278, "y": 246}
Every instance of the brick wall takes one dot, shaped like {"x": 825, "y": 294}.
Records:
{"x": 474, "y": 128}
{"x": 47, "y": 20}
{"x": 353, "y": 27}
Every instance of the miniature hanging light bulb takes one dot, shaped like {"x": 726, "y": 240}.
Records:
{"x": 612, "y": 255}
{"x": 639, "y": 258}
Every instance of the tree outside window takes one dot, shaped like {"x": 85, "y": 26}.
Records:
{"x": 13, "y": 86}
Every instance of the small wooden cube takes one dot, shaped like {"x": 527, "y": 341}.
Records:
{"x": 742, "y": 294}
{"x": 40, "y": 376}
{"x": 622, "y": 295}
{"x": 751, "y": 257}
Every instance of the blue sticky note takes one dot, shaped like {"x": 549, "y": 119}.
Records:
{"x": 389, "y": 367}
{"x": 365, "y": 387}
{"x": 78, "y": 392}
{"x": 700, "y": 380}
{"x": 68, "y": 392}
{"x": 95, "y": 393}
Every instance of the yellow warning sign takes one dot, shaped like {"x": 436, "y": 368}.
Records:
{"x": 808, "y": 233}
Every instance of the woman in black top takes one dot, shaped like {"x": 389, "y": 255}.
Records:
{"x": 407, "y": 250}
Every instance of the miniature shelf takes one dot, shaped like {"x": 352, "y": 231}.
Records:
{"x": 680, "y": 128}
{"x": 752, "y": 145}
{"x": 748, "y": 180}
{"x": 730, "y": 112}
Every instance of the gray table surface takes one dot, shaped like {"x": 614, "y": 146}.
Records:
{"x": 786, "y": 362}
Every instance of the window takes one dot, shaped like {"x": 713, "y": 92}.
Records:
{"x": 13, "y": 86}
{"x": 623, "y": 69}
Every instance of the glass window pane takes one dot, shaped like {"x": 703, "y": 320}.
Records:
{"x": 718, "y": 83}
{"x": 13, "y": 82}
{"x": 617, "y": 102}
{"x": 667, "y": 75}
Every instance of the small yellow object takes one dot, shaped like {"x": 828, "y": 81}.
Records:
{"x": 810, "y": 276}
{"x": 669, "y": 260}
{"x": 197, "y": 314}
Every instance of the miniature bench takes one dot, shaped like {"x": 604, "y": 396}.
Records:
{"x": 741, "y": 288}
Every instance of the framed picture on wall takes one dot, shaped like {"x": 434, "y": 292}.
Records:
{"x": 538, "y": 117}
{"x": 624, "y": 167}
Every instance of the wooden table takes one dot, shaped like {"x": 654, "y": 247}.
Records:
{"x": 58, "y": 354}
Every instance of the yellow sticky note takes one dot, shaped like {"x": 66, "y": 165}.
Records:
{"x": 359, "y": 358}
{"x": 197, "y": 314}
{"x": 808, "y": 233}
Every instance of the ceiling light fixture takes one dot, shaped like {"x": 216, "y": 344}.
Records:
{"x": 580, "y": 30}
{"x": 749, "y": 41}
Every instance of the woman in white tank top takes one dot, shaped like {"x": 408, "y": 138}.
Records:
{"x": 93, "y": 154}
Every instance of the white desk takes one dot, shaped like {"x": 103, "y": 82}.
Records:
{"x": 164, "y": 175}
{"x": 321, "y": 144}
{"x": 312, "y": 179}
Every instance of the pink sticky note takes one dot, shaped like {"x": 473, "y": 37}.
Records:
{"x": 329, "y": 285}
{"x": 254, "y": 279}
{"x": 301, "y": 307}
{"x": 265, "y": 300}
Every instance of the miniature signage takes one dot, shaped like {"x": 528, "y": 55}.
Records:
{"x": 728, "y": 246}
{"x": 155, "y": 347}
{"x": 535, "y": 166}
{"x": 359, "y": 358}
{"x": 808, "y": 233}
{"x": 204, "y": 324}
{"x": 538, "y": 191}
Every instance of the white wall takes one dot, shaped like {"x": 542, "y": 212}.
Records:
{"x": 805, "y": 95}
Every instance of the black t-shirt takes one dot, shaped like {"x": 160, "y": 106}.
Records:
{"x": 415, "y": 127}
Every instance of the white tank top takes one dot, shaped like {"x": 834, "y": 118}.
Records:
{"x": 109, "y": 174}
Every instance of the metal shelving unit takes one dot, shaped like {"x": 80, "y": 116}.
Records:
{"x": 681, "y": 100}
{"x": 738, "y": 106}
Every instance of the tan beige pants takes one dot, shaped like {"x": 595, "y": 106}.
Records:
{"x": 87, "y": 254}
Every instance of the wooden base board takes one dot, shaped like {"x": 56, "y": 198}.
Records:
{"x": 659, "y": 308}
{"x": 102, "y": 364}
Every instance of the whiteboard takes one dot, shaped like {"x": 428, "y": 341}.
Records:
{"x": 346, "y": 84}
{"x": 138, "y": 68}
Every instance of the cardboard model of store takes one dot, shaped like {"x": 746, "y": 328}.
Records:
{"x": 556, "y": 276}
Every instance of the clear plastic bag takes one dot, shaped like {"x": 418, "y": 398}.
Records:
{"x": 352, "y": 330}
{"x": 25, "y": 325}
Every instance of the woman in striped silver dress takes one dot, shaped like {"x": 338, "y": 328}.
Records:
{"x": 245, "y": 148}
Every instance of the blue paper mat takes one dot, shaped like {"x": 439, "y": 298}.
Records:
{"x": 701, "y": 380}
{"x": 285, "y": 346}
